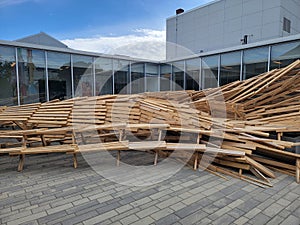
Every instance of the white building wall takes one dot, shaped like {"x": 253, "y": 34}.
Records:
{"x": 291, "y": 10}
{"x": 223, "y": 23}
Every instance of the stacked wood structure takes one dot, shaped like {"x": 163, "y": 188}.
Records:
{"x": 246, "y": 129}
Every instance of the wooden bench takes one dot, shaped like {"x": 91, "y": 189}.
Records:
{"x": 120, "y": 130}
{"x": 40, "y": 150}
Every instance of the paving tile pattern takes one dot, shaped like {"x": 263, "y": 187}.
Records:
{"x": 51, "y": 191}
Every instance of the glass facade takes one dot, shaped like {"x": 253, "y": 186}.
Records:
{"x": 152, "y": 81}
{"x": 83, "y": 75}
{"x": 284, "y": 54}
{"x": 193, "y": 74}
{"x": 121, "y": 76}
{"x": 37, "y": 75}
{"x": 137, "y": 78}
{"x": 210, "y": 71}
{"x": 59, "y": 75}
{"x": 8, "y": 77}
{"x": 230, "y": 67}
{"x": 104, "y": 76}
{"x": 32, "y": 75}
{"x": 165, "y": 77}
{"x": 178, "y": 76}
{"x": 255, "y": 61}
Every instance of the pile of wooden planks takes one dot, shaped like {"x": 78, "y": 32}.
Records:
{"x": 249, "y": 129}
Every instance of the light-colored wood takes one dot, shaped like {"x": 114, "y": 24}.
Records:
{"x": 298, "y": 170}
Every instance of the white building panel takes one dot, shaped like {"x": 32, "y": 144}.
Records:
{"x": 224, "y": 23}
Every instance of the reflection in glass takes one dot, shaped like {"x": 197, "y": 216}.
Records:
{"x": 137, "y": 78}
{"x": 165, "y": 77}
{"x": 151, "y": 77}
{"x": 8, "y": 78}
{"x": 284, "y": 54}
{"x": 192, "y": 74}
{"x": 83, "y": 75}
{"x": 230, "y": 67}
{"x": 255, "y": 61}
{"x": 59, "y": 72}
{"x": 178, "y": 76}
{"x": 121, "y": 76}
{"x": 31, "y": 65}
{"x": 104, "y": 76}
{"x": 210, "y": 71}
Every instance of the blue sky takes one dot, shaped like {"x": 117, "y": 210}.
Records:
{"x": 70, "y": 20}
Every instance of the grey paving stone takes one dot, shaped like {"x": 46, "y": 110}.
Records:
{"x": 290, "y": 196}
{"x": 145, "y": 221}
{"x": 59, "y": 208}
{"x": 162, "y": 213}
{"x": 53, "y": 216}
{"x": 123, "y": 208}
{"x": 241, "y": 221}
{"x": 188, "y": 197}
{"x": 252, "y": 213}
{"x": 291, "y": 220}
{"x": 168, "y": 202}
{"x": 129, "y": 219}
{"x": 27, "y": 218}
{"x": 224, "y": 220}
{"x": 285, "y": 213}
{"x": 147, "y": 211}
{"x": 168, "y": 220}
{"x": 178, "y": 206}
{"x": 236, "y": 213}
{"x": 193, "y": 218}
{"x": 124, "y": 214}
{"x": 77, "y": 219}
{"x": 12, "y": 216}
{"x": 294, "y": 205}
{"x": 101, "y": 217}
{"x": 248, "y": 205}
{"x": 273, "y": 209}
{"x": 260, "y": 219}
{"x": 222, "y": 202}
{"x": 275, "y": 220}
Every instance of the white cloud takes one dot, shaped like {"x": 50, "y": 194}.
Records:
{"x": 142, "y": 43}
{"x": 4, "y": 3}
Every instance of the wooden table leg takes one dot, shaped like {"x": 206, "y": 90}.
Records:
{"x": 298, "y": 171}
{"x": 155, "y": 157}
{"x": 21, "y": 163}
{"x": 196, "y": 160}
{"x": 75, "y": 162}
{"x": 279, "y": 135}
{"x": 118, "y": 158}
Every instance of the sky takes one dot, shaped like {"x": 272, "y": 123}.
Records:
{"x": 126, "y": 27}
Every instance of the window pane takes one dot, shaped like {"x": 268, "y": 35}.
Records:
{"x": 255, "y": 61}
{"x": 121, "y": 76}
{"x": 230, "y": 67}
{"x": 8, "y": 78}
{"x": 192, "y": 74}
{"x": 59, "y": 72}
{"x": 151, "y": 77}
{"x": 165, "y": 76}
{"x": 83, "y": 75}
{"x": 137, "y": 78}
{"x": 178, "y": 76}
{"x": 104, "y": 78}
{"x": 210, "y": 71}
{"x": 284, "y": 54}
{"x": 32, "y": 75}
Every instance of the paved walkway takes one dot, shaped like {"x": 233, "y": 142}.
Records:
{"x": 50, "y": 191}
